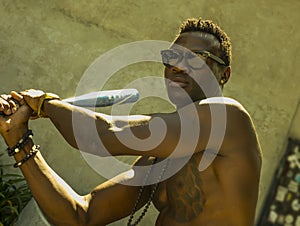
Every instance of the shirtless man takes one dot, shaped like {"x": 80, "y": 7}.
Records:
{"x": 223, "y": 192}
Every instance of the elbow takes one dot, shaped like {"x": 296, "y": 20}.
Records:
{"x": 75, "y": 221}
{"x": 78, "y": 219}
{"x": 81, "y": 217}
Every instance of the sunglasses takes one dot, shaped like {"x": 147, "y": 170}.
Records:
{"x": 171, "y": 57}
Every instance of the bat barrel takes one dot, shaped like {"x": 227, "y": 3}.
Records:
{"x": 104, "y": 98}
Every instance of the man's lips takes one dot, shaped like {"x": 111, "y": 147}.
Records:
{"x": 177, "y": 83}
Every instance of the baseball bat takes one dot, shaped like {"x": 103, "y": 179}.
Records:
{"x": 103, "y": 98}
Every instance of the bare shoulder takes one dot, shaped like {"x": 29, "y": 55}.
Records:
{"x": 240, "y": 153}
{"x": 234, "y": 111}
{"x": 229, "y": 112}
{"x": 240, "y": 130}
{"x": 230, "y": 104}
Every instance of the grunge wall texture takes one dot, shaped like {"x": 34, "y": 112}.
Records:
{"x": 48, "y": 45}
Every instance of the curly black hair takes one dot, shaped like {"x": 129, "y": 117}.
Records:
{"x": 208, "y": 26}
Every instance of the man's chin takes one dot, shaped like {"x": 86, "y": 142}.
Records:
{"x": 180, "y": 101}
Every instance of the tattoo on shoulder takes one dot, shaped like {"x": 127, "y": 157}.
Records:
{"x": 187, "y": 196}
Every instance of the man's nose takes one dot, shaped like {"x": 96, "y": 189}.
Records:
{"x": 180, "y": 68}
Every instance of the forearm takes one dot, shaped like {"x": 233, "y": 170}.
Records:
{"x": 92, "y": 132}
{"x": 106, "y": 135}
{"x": 68, "y": 118}
{"x": 60, "y": 204}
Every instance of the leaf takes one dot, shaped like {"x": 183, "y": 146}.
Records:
{"x": 14, "y": 195}
{"x": 12, "y": 209}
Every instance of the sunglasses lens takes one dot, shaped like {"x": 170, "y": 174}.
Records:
{"x": 196, "y": 61}
{"x": 169, "y": 57}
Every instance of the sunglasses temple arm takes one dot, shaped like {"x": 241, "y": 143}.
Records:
{"x": 218, "y": 59}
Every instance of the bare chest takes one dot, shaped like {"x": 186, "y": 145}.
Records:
{"x": 182, "y": 194}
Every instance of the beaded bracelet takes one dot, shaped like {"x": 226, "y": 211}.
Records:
{"x": 33, "y": 151}
{"x": 15, "y": 149}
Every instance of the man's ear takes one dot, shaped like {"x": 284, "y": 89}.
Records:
{"x": 226, "y": 74}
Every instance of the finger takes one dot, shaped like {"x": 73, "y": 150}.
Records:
{"x": 25, "y": 93}
{"x": 5, "y": 106}
{"x": 17, "y": 97}
{"x": 8, "y": 104}
{"x": 13, "y": 106}
{"x": 7, "y": 111}
{"x": 1, "y": 104}
{"x": 5, "y": 96}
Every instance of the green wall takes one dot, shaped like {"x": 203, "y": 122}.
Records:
{"x": 49, "y": 44}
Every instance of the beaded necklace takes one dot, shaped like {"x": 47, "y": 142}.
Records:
{"x": 153, "y": 191}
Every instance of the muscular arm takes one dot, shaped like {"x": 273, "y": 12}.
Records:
{"x": 63, "y": 206}
{"x": 60, "y": 204}
{"x": 182, "y": 133}
{"x": 154, "y": 135}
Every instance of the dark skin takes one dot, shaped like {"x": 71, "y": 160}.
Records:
{"x": 224, "y": 193}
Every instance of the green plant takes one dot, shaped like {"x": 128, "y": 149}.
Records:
{"x": 14, "y": 195}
